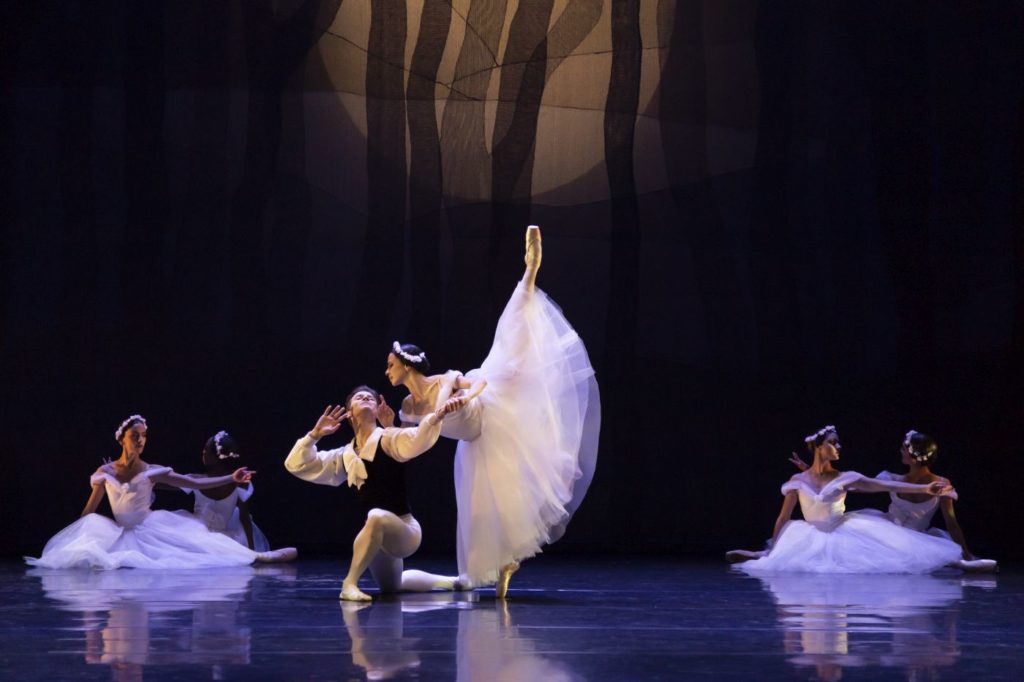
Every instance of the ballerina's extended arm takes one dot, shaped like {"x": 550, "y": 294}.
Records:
{"x": 873, "y": 485}
{"x": 240, "y": 475}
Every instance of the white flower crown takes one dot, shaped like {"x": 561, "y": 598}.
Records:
{"x": 918, "y": 457}
{"x": 217, "y": 441}
{"x": 396, "y": 348}
{"x": 127, "y": 423}
{"x": 821, "y": 433}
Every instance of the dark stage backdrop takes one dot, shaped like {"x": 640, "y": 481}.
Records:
{"x": 761, "y": 217}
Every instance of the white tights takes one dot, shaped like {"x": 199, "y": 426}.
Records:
{"x": 383, "y": 543}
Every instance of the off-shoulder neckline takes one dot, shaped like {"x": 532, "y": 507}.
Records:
{"x": 149, "y": 469}
{"x": 844, "y": 477}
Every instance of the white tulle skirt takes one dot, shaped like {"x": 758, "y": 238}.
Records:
{"x": 162, "y": 540}
{"x": 236, "y": 532}
{"x": 859, "y": 542}
{"x": 519, "y": 482}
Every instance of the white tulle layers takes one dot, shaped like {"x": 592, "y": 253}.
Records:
{"x": 859, "y": 542}
{"x": 519, "y": 482}
{"x": 162, "y": 539}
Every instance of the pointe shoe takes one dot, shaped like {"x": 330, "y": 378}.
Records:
{"x": 533, "y": 256}
{"x": 277, "y": 556}
{"x": 501, "y": 588}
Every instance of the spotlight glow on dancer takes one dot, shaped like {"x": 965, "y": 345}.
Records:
{"x": 527, "y": 430}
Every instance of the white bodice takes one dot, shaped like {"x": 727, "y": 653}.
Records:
{"x": 913, "y": 515}
{"x": 217, "y": 514}
{"x": 462, "y": 425}
{"x": 129, "y": 501}
{"x": 824, "y": 507}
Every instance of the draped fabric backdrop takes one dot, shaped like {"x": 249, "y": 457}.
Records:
{"x": 761, "y": 217}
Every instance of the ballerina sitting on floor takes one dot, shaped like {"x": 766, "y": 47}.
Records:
{"x": 225, "y": 509}
{"x": 140, "y": 537}
{"x": 918, "y": 452}
{"x": 831, "y": 541}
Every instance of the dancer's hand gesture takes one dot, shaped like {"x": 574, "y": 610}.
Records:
{"x": 242, "y": 475}
{"x": 799, "y": 463}
{"x": 453, "y": 404}
{"x": 385, "y": 415}
{"x": 939, "y": 488}
{"x": 329, "y": 422}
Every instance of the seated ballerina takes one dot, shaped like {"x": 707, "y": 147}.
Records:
{"x": 391, "y": 533}
{"x": 918, "y": 452}
{"x": 226, "y": 509}
{"x": 140, "y": 537}
{"x": 832, "y": 541}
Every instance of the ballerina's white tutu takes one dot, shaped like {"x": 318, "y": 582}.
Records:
{"x": 141, "y": 537}
{"x": 221, "y": 516}
{"x": 830, "y": 541}
{"x": 527, "y": 444}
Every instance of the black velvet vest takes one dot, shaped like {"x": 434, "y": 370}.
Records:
{"x": 384, "y": 487}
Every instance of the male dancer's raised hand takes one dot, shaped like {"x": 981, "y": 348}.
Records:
{"x": 329, "y": 422}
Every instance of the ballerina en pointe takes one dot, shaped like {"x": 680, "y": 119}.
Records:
{"x": 501, "y": 588}
{"x": 532, "y": 257}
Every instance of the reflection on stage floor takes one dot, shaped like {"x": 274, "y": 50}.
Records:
{"x": 567, "y": 619}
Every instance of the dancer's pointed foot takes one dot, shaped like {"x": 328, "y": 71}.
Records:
{"x": 533, "y": 256}
{"x": 277, "y": 556}
{"x": 977, "y": 565}
{"x": 353, "y": 593}
{"x": 738, "y": 556}
{"x": 501, "y": 589}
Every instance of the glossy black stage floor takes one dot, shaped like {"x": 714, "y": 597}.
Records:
{"x": 567, "y": 619}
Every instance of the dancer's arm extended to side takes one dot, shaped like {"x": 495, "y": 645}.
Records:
{"x": 241, "y": 475}
{"x": 873, "y": 485}
{"x": 402, "y": 444}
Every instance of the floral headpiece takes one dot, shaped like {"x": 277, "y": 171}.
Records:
{"x": 218, "y": 442}
{"x": 396, "y": 348}
{"x": 127, "y": 424}
{"x": 920, "y": 456}
{"x": 821, "y": 434}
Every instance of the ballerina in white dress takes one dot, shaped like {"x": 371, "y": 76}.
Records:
{"x": 527, "y": 430}
{"x": 141, "y": 537}
{"x": 226, "y": 509}
{"x": 918, "y": 452}
{"x": 829, "y": 540}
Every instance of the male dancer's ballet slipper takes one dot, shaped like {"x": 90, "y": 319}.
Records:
{"x": 353, "y": 593}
